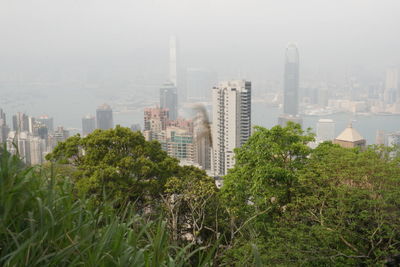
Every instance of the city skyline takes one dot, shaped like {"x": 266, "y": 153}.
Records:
{"x": 363, "y": 81}
{"x": 312, "y": 96}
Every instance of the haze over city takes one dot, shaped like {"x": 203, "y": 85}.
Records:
{"x": 122, "y": 39}
{"x": 64, "y": 58}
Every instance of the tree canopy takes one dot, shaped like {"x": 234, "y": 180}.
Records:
{"x": 343, "y": 209}
{"x": 118, "y": 162}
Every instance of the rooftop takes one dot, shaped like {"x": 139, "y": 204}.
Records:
{"x": 350, "y": 135}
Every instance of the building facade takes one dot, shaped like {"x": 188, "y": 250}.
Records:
{"x": 21, "y": 122}
{"x": 169, "y": 99}
{"x": 391, "y": 93}
{"x": 155, "y": 121}
{"x": 4, "y": 129}
{"x": 179, "y": 143}
{"x": 291, "y": 81}
{"x": 88, "y": 125}
{"x": 104, "y": 117}
{"x": 47, "y": 121}
{"x": 231, "y": 126}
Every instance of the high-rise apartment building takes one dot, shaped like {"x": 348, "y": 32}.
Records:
{"x": 88, "y": 125}
{"x": 40, "y": 130}
{"x": 3, "y": 119}
{"x": 104, "y": 117}
{"x": 4, "y": 129}
{"x": 169, "y": 99}
{"x": 175, "y": 136}
{"x": 231, "y": 126}
{"x": 325, "y": 130}
{"x": 47, "y": 121}
{"x": 179, "y": 143}
{"x": 392, "y": 86}
{"x": 37, "y": 149}
{"x": 60, "y": 134}
{"x": 18, "y": 143}
{"x": 155, "y": 121}
{"x": 21, "y": 122}
{"x": 291, "y": 81}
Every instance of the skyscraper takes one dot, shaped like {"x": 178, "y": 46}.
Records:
{"x": 173, "y": 60}
{"x": 291, "y": 81}
{"x": 4, "y": 129}
{"x": 21, "y": 122}
{"x": 104, "y": 117}
{"x": 391, "y": 93}
{"x": 155, "y": 121}
{"x": 88, "y": 125}
{"x": 175, "y": 69}
{"x": 60, "y": 134}
{"x": 46, "y": 120}
{"x": 169, "y": 99}
{"x": 231, "y": 126}
{"x": 179, "y": 143}
{"x": 3, "y": 120}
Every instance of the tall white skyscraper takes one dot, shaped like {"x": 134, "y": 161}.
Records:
{"x": 173, "y": 60}
{"x": 231, "y": 126}
{"x": 176, "y": 73}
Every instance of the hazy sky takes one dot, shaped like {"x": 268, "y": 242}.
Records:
{"x": 229, "y": 36}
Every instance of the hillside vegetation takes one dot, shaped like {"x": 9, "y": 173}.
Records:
{"x": 114, "y": 199}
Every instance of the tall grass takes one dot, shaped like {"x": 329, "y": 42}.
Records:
{"x": 43, "y": 224}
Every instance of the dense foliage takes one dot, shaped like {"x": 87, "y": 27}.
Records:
{"x": 119, "y": 162}
{"x": 43, "y": 224}
{"x": 324, "y": 207}
{"x": 113, "y": 199}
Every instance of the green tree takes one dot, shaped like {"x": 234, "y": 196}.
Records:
{"x": 266, "y": 168}
{"x": 260, "y": 185}
{"x": 118, "y": 163}
{"x": 345, "y": 212}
